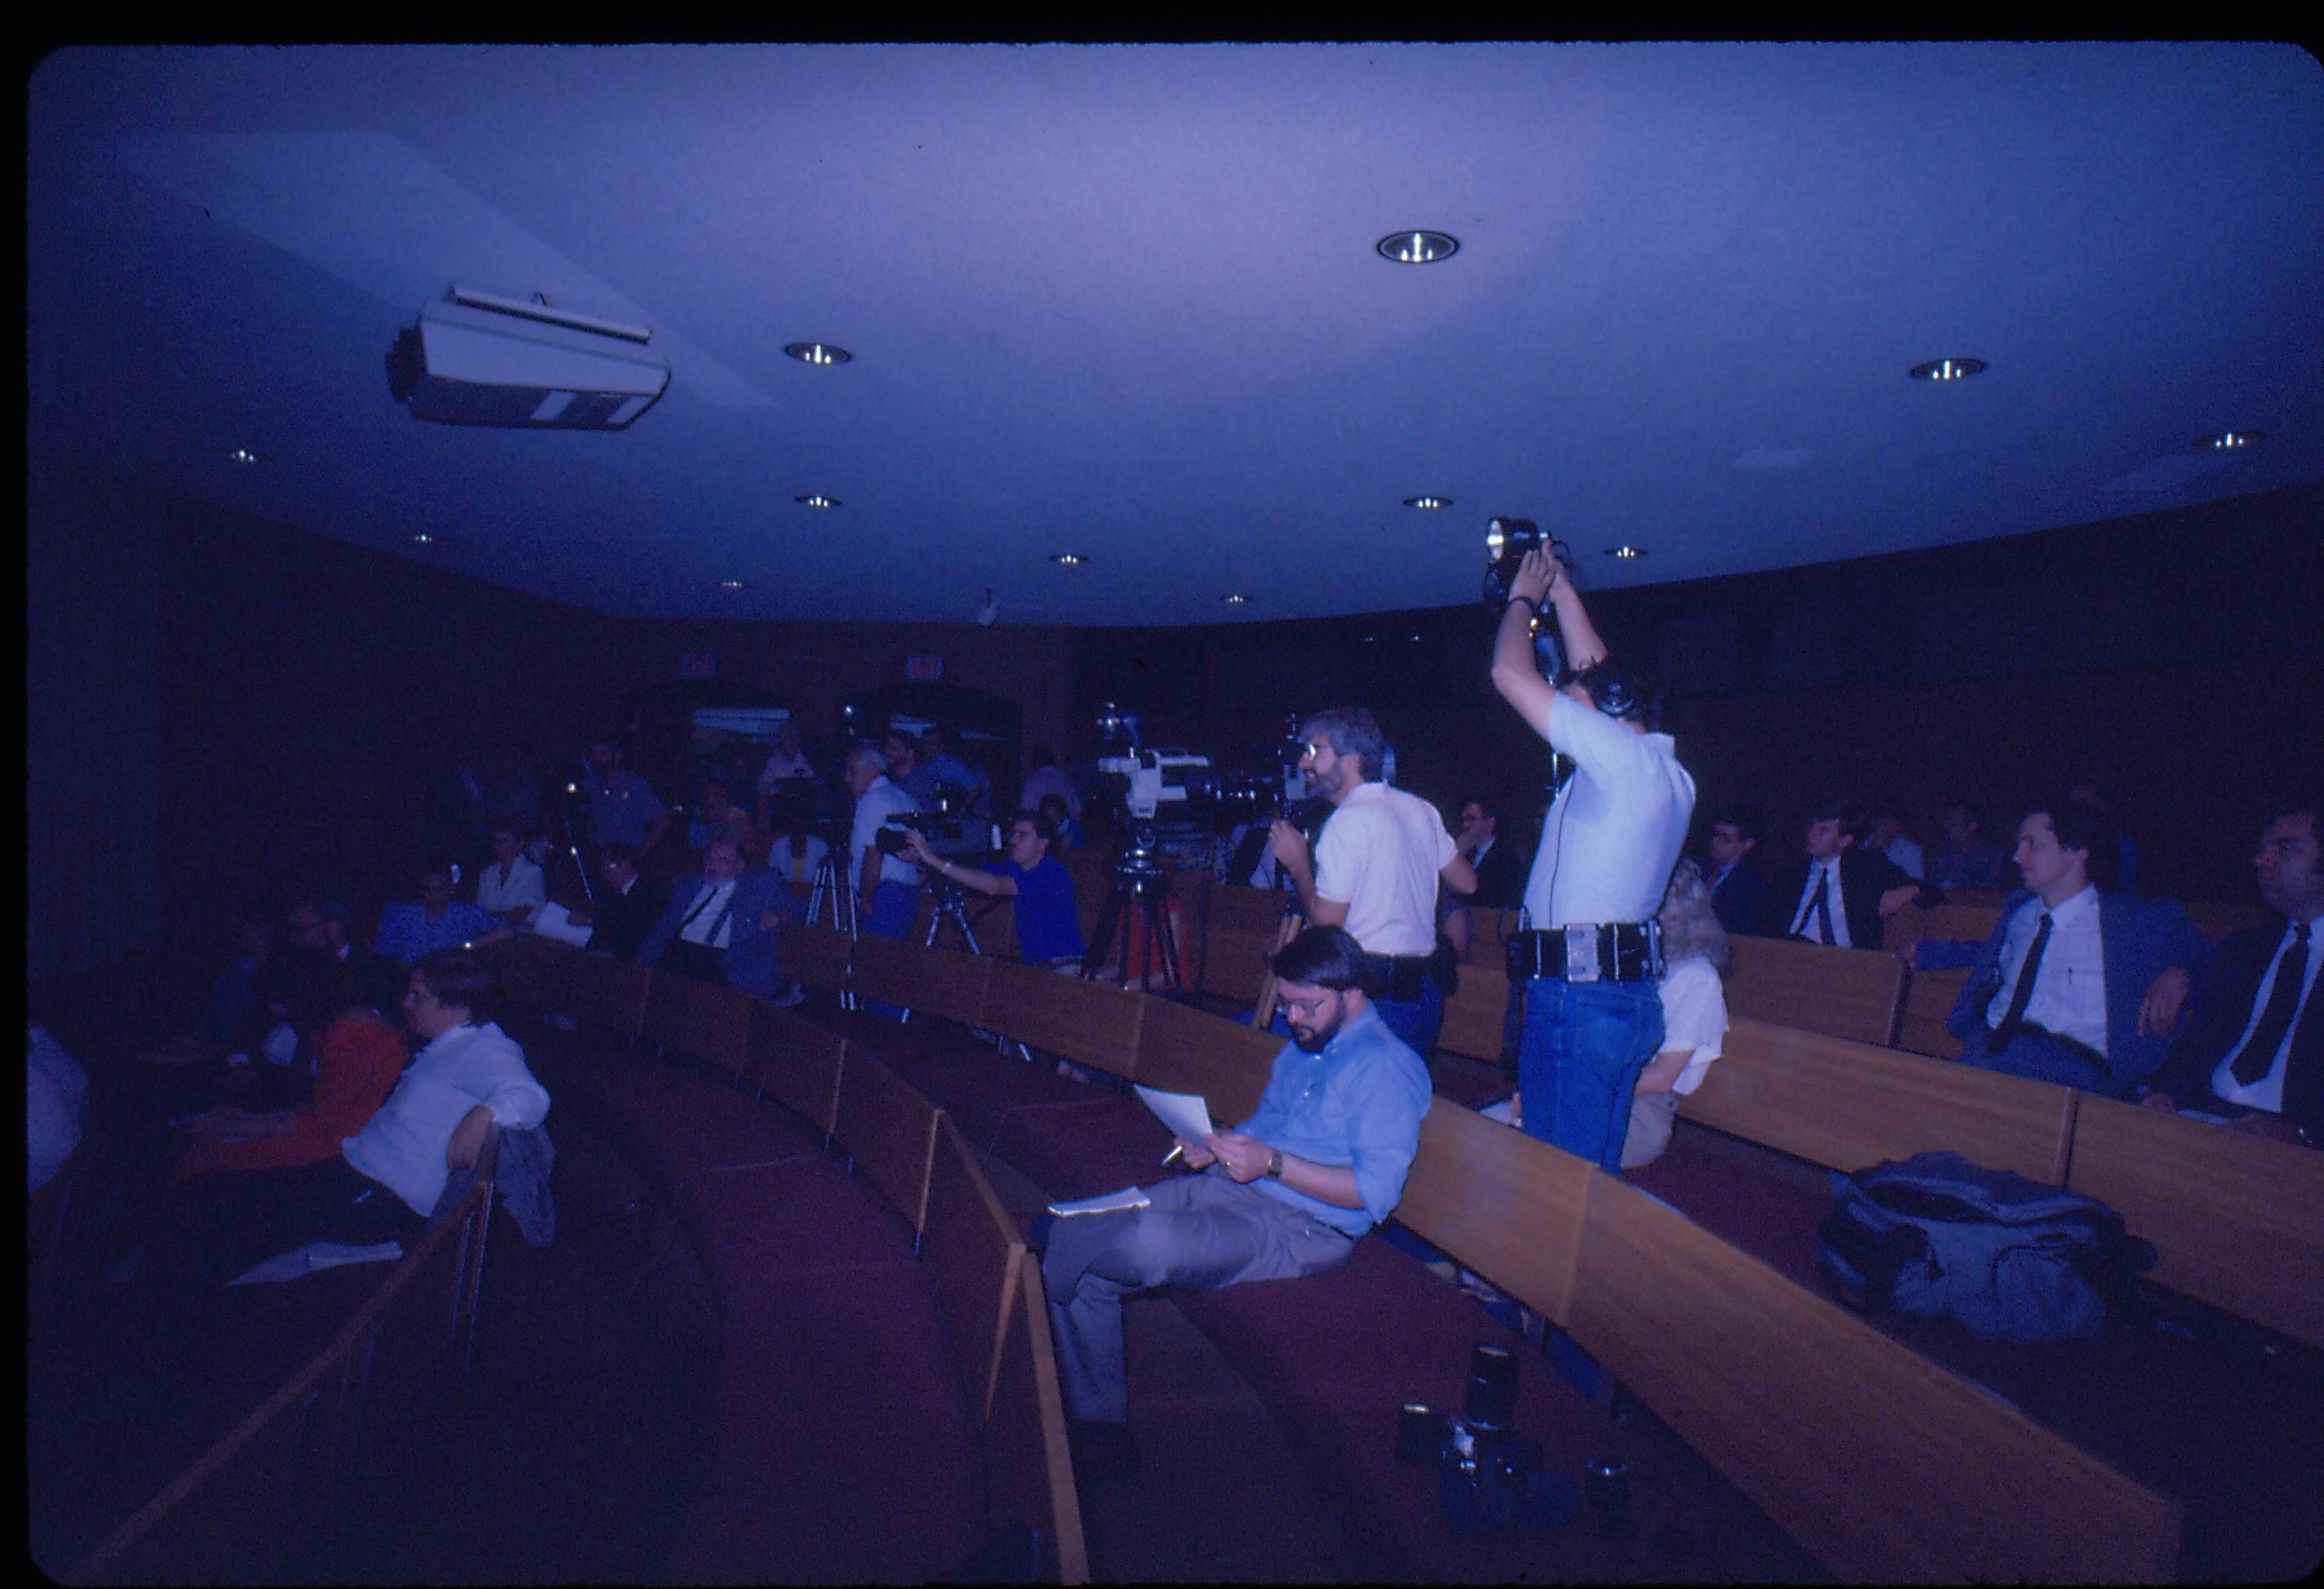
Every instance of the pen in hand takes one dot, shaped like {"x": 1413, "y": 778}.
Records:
{"x": 1176, "y": 1153}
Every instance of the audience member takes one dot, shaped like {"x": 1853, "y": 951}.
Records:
{"x": 2252, "y": 1047}
{"x": 1048, "y": 778}
{"x": 1067, "y": 825}
{"x": 416, "y": 927}
{"x": 1375, "y": 868}
{"x": 626, "y": 911}
{"x": 938, "y": 764}
{"x": 624, "y": 808}
{"x": 1049, "y": 928}
{"x": 326, "y": 924}
{"x": 359, "y": 1054}
{"x": 796, "y": 853}
{"x": 1500, "y": 871}
{"x": 1585, "y": 1031}
{"x": 1738, "y": 892}
{"x": 1887, "y": 837}
{"x": 903, "y": 753}
{"x": 55, "y": 1087}
{"x": 386, "y": 1179}
{"x": 230, "y": 995}
{"x": 720, "y": 925}
{"x": 1695, "y": 957}
{"x": 722, "y": 819}
{"x": 1966, "y": 861}
{"x": 787, "y": 764}
{"x": 1288, "y": 1192}
{"x": 1844, "y": 890}
{"x": 510, "y": 887}
{"x": 888, "y": 885}
{"x": 2074, "y": 985}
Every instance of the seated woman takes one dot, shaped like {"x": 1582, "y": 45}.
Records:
{"x": 511, "y": 887}
{"x": 721, "y": 818}
{"x": 359, "y": 1054}
{"x": 1695, "y": 956}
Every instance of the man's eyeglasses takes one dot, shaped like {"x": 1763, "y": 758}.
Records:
{"x": 1309, "y": 752}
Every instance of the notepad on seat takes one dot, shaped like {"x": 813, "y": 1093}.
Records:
{"x": 1129, "y": 1197}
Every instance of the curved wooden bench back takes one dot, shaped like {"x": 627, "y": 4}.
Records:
{"x": 1852, "y": 1105}
{"x": 1474, "y": 1014}
{"x": 2237, "y": 1220}
{"x": 707, "y": 1020}
{"x": 1028, "y": 1472}
{"x": 971, "y": 1245}
{"x": 889, "y": 1130}
{"x": 796, "y": 1062}
{"x": 1851, "y": 993}
{"x": 1184, "y": 1049}
{"x": 947, "y": 983}
{"x": 1094, "y": 1023}
{"x": 815, "y": 955}
{"x": 1504, "y": 1204}
{"x": 1887, "y": 1466}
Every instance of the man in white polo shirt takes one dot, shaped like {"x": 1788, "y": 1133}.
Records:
{"x": 1588, "y": 964}
{"x": 1375, "y": 869}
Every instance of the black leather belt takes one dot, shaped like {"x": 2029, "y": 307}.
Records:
{"x": 1589, "y": 951}
{"x": 1402, "y": 974}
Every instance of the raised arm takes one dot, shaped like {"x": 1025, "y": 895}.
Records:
{"x": 1539, "y": 579}
{"x": 972, "y": 877}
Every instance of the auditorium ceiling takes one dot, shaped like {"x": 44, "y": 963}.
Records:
{"x": 1126, "y": 304}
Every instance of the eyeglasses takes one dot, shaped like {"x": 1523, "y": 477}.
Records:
{"x": 1309, "y": 752}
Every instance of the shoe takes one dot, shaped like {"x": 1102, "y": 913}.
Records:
{"x": 1102, "y": 1451}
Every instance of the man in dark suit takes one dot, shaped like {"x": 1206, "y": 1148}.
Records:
{"x": 1500, "y": 871}
{"x": 2254, "y": 1044}
{"x": 628, "y": 908}
{"x": 2076, "y": 984}
{"x": 720, "y": 923}
{"x": 1842, "y": 892}
{"x": 1738, "y": 894}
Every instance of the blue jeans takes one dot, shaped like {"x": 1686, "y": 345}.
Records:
{"x": 1579, "y": 1055}
{"x": 890, "y": 916}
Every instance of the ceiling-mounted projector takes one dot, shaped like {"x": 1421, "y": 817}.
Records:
{"x": 476, "y": 359}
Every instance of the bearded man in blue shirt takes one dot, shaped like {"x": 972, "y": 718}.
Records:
{"x": 1288, "y": 1193}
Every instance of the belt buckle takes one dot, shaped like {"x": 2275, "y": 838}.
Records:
{"x": 1581, "y": 962}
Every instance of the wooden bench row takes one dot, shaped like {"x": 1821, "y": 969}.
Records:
{"x": 248, "y": 1505}
{"x": 1745, "y": 1364}
{"x": 913, "y": 1155}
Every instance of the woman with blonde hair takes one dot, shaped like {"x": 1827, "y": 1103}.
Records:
{"x": 1695, "y": 956}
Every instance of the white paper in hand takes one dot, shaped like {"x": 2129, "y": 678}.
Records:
{"x": 1184, "y": 1113}
{"x": 551, "y": 922}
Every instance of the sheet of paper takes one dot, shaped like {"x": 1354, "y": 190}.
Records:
{"x": 1184, "y": 1113}
{"x": 1129, "y": 1197}
{"x": 550, "y": 921}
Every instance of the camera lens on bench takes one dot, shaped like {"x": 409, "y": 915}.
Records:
{"x": 1492, "y": 1401}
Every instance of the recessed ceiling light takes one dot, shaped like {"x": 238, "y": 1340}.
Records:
{"x": 2229, "y": 441}
{"x": 817, "y": 499}
{"x": 818, "y": 352}
{"x": 1070, "y": 559}
{"x": 1946, "y": 369}
{"x": 421, "y": 537}
{"x": 1232, "y": 600}
{"x": 733, "y": 585}
{"x": 1417, "y": 248}
{"x": 243, "y": 456}
{"x": 1626, "y": 551}
{"x": 1428, "y": 501}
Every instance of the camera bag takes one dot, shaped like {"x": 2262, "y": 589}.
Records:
{"x": 1935, "y": 1235}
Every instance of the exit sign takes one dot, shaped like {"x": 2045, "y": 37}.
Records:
{"x": 924, "y": 670}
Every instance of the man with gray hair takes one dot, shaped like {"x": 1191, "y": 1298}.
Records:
{"x": 1375, "y": 867}
{"x": 887, "y": 885}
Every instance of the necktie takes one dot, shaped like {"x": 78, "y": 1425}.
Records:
{"x": 708, "y": 894}
{"x": 2024, "y": 991}
{"x": 1819, "y": 910}
{"x": 2253, "y": 1062}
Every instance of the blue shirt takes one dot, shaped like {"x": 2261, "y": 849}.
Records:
{"x": 407, "y": 931}
{"x": 1047, "y": 928}
{"x": 622, "y": 808}
{"x": 1358, "y": 1105}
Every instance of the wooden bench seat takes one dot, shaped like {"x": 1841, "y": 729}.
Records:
{"x": 1853, "y": 993}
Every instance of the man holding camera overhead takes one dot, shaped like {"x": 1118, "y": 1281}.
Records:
{"x": 1375, "y": 868}
{"x": 1592, "y": 1018}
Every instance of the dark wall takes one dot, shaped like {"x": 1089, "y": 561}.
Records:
{"x": 315, "y": 695}
{"x": 2174, "y": 657}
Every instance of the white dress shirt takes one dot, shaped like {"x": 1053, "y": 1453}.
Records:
{"x": 1379, "y": 856}
{"x": 403, "y": 1145}
{"x": 811, "y": 851}
{"x": 2267, "y": 1092}
{"x": 524, "y": 886}
{"x": 1823, "y": 878}
{"x": 2070, "y": 987}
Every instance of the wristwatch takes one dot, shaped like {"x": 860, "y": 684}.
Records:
{"x": 1275, "y": 1164}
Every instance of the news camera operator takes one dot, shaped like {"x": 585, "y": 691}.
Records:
{"x": 1375, "y": 868}
{"x": 1591, "y": 1016}
{"x": 1048, "y": 927}
{"x": 887, "y": 885}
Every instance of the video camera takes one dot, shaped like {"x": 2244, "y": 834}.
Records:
{"x": 1507, "y": 542}
{"x": 947, "y": 832}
